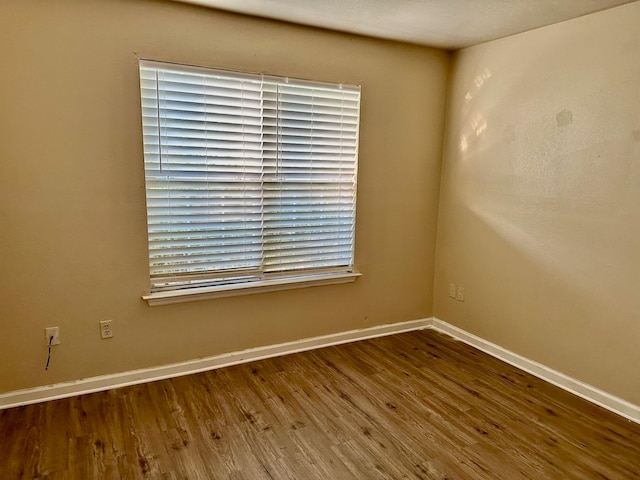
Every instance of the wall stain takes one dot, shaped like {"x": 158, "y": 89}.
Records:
{"x": 636, "y": 135}
{"x": 509, "y": 134}
{"x": 564, "y": 118}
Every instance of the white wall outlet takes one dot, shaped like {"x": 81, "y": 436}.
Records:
{"x": 52, "y": 332}
{"x": 460, "y": 295}
{"x": 105, "y": 329}
{"x": 452, "y": 290}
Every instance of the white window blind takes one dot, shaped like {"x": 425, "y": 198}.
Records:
{"x": 248, "y": 177}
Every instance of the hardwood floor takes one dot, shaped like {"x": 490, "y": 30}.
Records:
{"x": 418, "y": 405}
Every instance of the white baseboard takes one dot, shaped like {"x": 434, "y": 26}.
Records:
{"x": 588, "y": 392}
{"x": 105, "y": 382}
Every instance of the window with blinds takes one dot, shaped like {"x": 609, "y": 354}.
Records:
{"x": 248, "y": 177}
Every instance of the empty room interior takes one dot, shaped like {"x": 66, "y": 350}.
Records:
{"x": 440, "y": 270}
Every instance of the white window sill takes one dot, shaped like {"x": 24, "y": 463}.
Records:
{"x": 218, "y": 291}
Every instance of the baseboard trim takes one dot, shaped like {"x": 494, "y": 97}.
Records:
{"x": 599, "y": 397}
{"x": 588, "y": 392}
{"x": 106, "y": 382}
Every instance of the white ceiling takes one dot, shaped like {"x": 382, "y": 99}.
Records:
{"x": 448, "y": 24}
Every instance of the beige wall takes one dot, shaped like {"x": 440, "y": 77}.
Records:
{"x": 540, "y": 197}
{"x": 538, "y": 217}
{"x": 72, "y": 215}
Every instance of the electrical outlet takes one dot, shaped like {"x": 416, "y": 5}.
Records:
{"x": 105, "y": 329}
{"x": 452, "y": 290}
{"x": 52, "y": 332}
{"x": 460, "y": 295}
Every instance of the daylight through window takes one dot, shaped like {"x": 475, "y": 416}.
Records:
{"x": 248, "y": 177}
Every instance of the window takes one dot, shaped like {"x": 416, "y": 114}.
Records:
{"x": 250, "y": 179}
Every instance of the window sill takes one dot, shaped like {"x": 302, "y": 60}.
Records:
{"x": 218, "y": 291}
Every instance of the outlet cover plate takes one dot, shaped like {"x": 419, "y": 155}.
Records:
{"x": 105, "y": 329}
{"x": 52, "y": 332}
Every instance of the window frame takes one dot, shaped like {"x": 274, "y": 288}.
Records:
{"x": 195, "y": 286}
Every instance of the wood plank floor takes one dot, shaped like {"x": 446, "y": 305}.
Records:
{"x": 418, "y": 405}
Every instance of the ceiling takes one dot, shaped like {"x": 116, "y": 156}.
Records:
{"x": 447, "y": 24}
